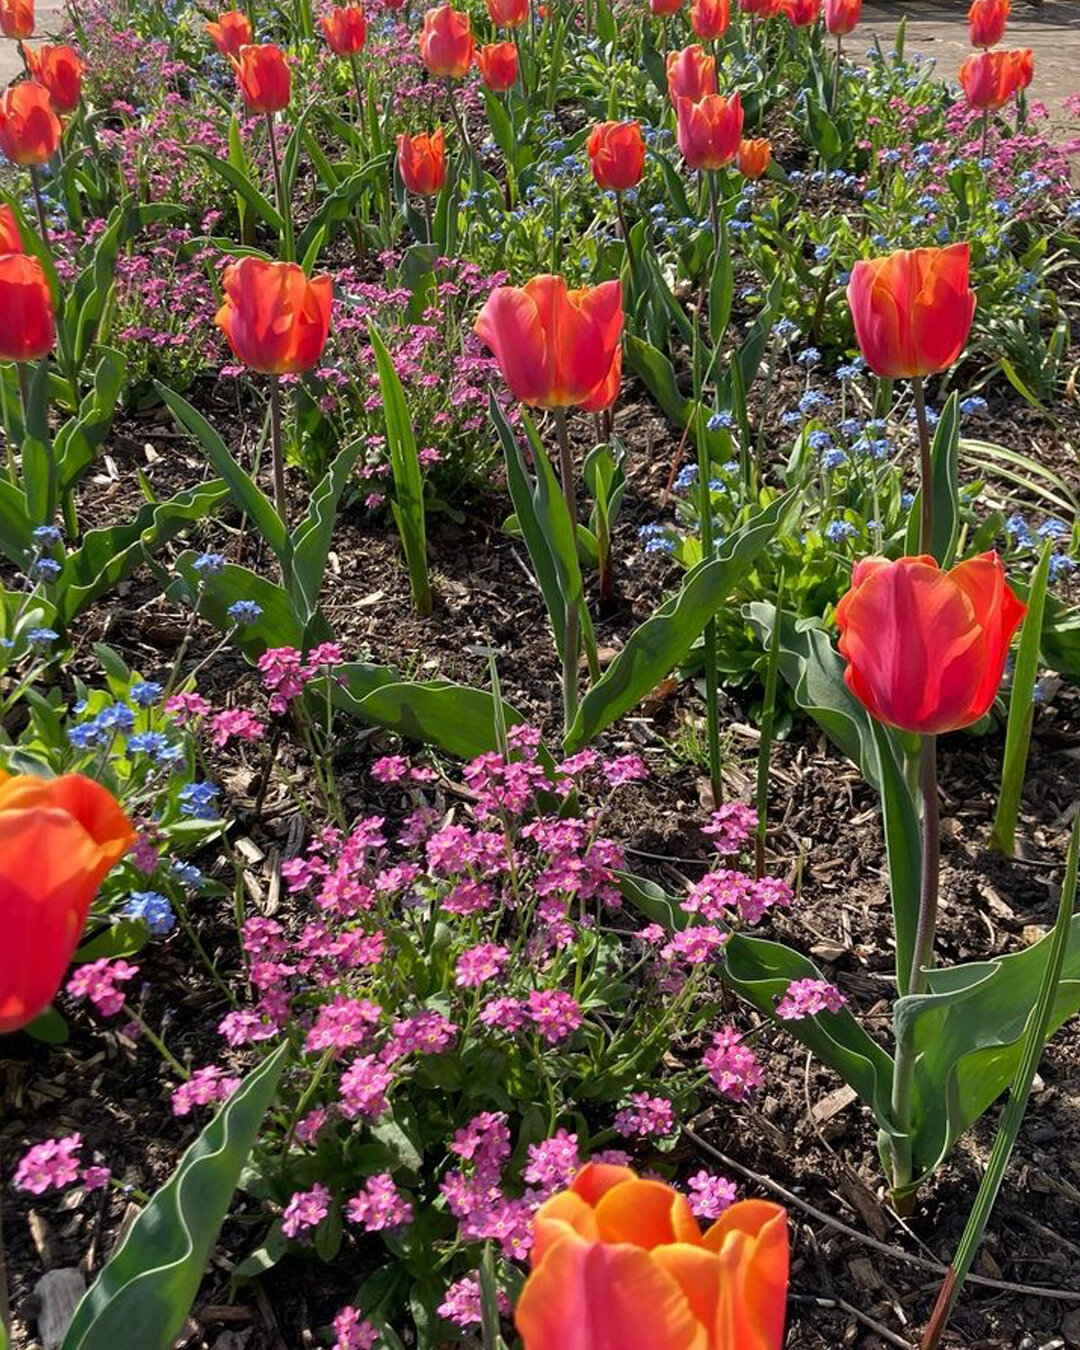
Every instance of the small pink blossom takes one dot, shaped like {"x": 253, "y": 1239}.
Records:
{"x": 380, "y": 1205}
{"x": 205, "y": 1087}
{"x": 363, "y": 1088}
{"x": 51, "y": 1165}
{"x": 504, "y": 1014}
{"x": 695, "y": 945}
{"x": 553, "y": 1163}
{"x": 305, "y": 1211}
{"x": 808, "y": 998}
{"x": 236, "y": 724}
{"x": 645, "y": 1116}
{"x": 731, "y": 1065}
{"x": 342, "y": 1024}
{"x": 625, "y": 769}
{"x": 555, "y": 1014}
{"x": 462, "y": 1303}
{"x": 477, "y": 965}
{"x": 186, "y": 707}
{"x": 97, "y": 981}
{"x": 710, "y": 1195}
{"x": 730, "y": 827}
{"x": 353, "y": 1332}
{"x": 95, "y": 1178}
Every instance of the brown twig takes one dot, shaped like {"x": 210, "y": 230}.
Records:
{"x": 842, "y": 1305}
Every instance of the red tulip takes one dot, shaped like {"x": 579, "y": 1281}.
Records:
{"x": 691, "y": 74}
{"x": 264, "y": 77}
{"x": 555, "y": 347}
{"x": 620, "y": 1263}
{"x": 17, "y": 18}
{"x": 27, "y": 327}
{"x": 345, "y": 29}
{"x": 422, "y": 162}
{"x": 60, "y": 71}
{"x": 989, "y": 79}
{"x": 276, "y": 320}
{"x": 710, "y": 18}
{"x": 616, "y": 155}
{"x": 801, "y": 13}
{"x": 842, "y": 16}
{"x": 925, "y": 648}
{"x": 394, "y": 5}
{"x": 498, "y": 64}
{"x": 29, "y": 127}
{"x": 912, "y": 310}
{"x": 709, "y": 131}
{"x": 1023, "y": 68}
{"x": 508, "y": 13}
{"x": 10, "y": 237}
{"x": 446, "y": 43}
{"x": 59, "y": 837}
{"x": 987, "y": 20}
{"x": 760, "y": 9}
{"x": 231, "y": 32}
{"x": 659, "y": 8}
{"x": 753, "y": 158}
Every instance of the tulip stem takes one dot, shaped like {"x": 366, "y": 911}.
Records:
{"x": 428, "y": 218}
{"x": 621, "y": 208}
{"x": 836, "y": 77}
{"x": 926, "y": 468}
{"x": 39, "y": 202}
{"x": 276, "y": 452}
{"x": 712, "y": 681}
{"x": 359, "y": 92}
{"x": 287, "y": 247}
{"x": 985, "y": 133}
{"x": 459, "y": 122}
{"x": 572, "y": 632}
{"x": 5, "y": 1311}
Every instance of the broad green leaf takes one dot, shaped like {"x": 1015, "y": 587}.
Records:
{"x": 1060, "y": 636}
{"x": 143, "y": 1295}
{"x": 455, "y": 717}
{"x": 39, "y": 476}
{"x": 658, "y": 374}
{"x": 721, "y": 290}
{"x": 312, "y": 538}
{"x": 944, "y": 457}
{"x": 337, "y": 205}
{"x": 243, "y": 187}
{"x": 903, "y": 845}
{"x": 49, "y": 1027}
{"x": 655, "y": 648}
{"x": 279, "y": 624}
{"x": 1023, "y": 472}
{"x": 122, "y": 938}
{"x": 78, "y": 439}
{"x": 16, "y": 526}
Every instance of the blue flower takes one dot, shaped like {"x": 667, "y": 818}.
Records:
{"x": 814, "y": 401}
{"x": 785, "y": 330}
{"x": 46, "y": 536}
{"x": 791, "y": 419}
{"x": 686, "y": 478}
{"x": 847, "y": 373}
{"x": 1052, "y": 529}
{"x": 809, "y": 358}
{"x": 209, "y": 564}
{"x": 1061, "y": 565}
{"x": 660, "y": 546}
{"x": 147, "y": 693}
{"x": 1019, "y": 531}
{"x": 42, "y": 637}
{"x": 187, "y": 874}
{"x": 44, "y": 569}
{"x": 819, "y": 441}
{"x": 851, "y": 427}
{"x": 822, "y": 253}
{"x": 147, "y": 743}
{"x": 118, "y": 717}
{"x": 838, "y": 530}
{"x": 244, "y": 612}
{"x": 153, "y": 909}
{"x": 974, "y": 405}
{"x": 85, "y": 735}
{"x": 197, "y": 799}
{"x": 832, "y": 459}
{"x": 721, "y": 419}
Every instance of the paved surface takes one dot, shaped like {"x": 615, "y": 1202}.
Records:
{"x": 48, "y": 15}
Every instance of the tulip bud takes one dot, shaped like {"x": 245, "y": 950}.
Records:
{"x": 422, "y": 163}
{"x": 709, "y": 131}
{"x": 987, "y": 20}
{"x": 710, "y": 18}
{"x": 231, "y": 32}
{"x": 691, "y": 73}
{"x": 498, "y": 64}
{"x": 264, "y": 77}
{"x": 29, "y": 127}
{"x": 17, "y": 18}
{"x": 275, "y": 319}
{"x": 1023, "y": 68}
{"x": 842, "y": 16}
{"x": 60, "y": 71}
{"x": 346, "y": 29}
{"x": 446, "y": 43}
{"x": 616, "y": 155}
{"x": 753, "y": 158}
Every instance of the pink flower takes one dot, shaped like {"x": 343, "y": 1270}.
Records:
{"x": 341, "y": 1024}
{"x": 807, "y": 998}
{"x": 426, "y": 1033}
{"x": 762, "y": 895}
{"x": 380, "y": 1205}
{"x": 462, "y": 1303}
{"x": 95, "y": 1178}
{"x": 390, "y": 769}
{"x": 695, "y": 946}
{"x": 710, "y": 1195}
{"x": 308, "y": 1128}
{"x": 353, "y": 1332}
{"x": 236, "y": 724}
{"x": 479, "y": 964}
{"x": 553, "y": 1163}
{"x": 205, "y": 1087}
{"x": 323, "y": 658}
{"x": 51, "y": 1165}
{"x": 646, "y": 1116}
{"x": 554, "y": 1013}
{"x": 504, "y": 1014}
{"x": 625, "y": 769}
{"x": 283, "y": 675}
{"x": 732, "y": 1066}
{"x": 730, "y": 827}
{"x": 305, "y": 1211}
{"x": 186, "y": 707}
{"x": 97, "y": 981}
{"x": 363, "y": 1088}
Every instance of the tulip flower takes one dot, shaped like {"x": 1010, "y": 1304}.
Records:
{"x": 842, "y": 16}
{"x": 926, "y": 649}
{"x": 508, "y": 13}
{"x": 422, "y": 164}
{"x": 27, "y": 325}
{"x": 446, "y": 43}
{"x": 10, "y": 235}
{"x": 616, "y": 155}
{"x": 987, "y": 20}
{"x": 264, "y": 77}
{"x": 753, "y": 158}
{"x": 660, "y": 9}
{"x": 760, "y": 9}
{"x": 60, "y": 71}
{"x": 29, "y": 127}
{"x": 801, "y": 13}
{"x": 988, "y": 79}
{"x": 709, "y": 131}
{"x": 17, "y": 18}
{"x": 498, "y": 63}
{"x": 691, "y": 74}
{"x": 1023, "y": 68}
{"x": 59, "y": 837}
{"x": 710, "y": 18}
{"x": 620, "y": 1262}
{"x": 231, "y": 32}
{"x": 345, "y": 29}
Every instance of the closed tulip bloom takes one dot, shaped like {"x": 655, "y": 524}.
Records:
{"x": 912, "y": 310}
{"x": 709, "y": 132}
{"x": 59, "y": 837}
{"x": 1023, "y": 68}
{"x": 498, "y": 64}
{"x": 10, "y": 237}
{"x": 691, "y": 74}
{"x": 446, "y": 43}
{"x": 760, "y": 9}
{"x": 27, "y": 327}
{"x": 17, "y": 18}
{"x": 508, "y": 13}
{"x": 346, "y": 29}
{"x": 231, "y": 32}
{"x": 422, "y": 162}
{"x": 29, "y": 126}
{"x": 987, "y": 20}
{"x": 926, "y": 649}
{"x": 801, "y": 13}
{"x": 988, "y": 79}
{"x": 264, "y": 77}
{"x": 555, "y": 347}
{"x": 275, "y": 318}
{"x": 658, "y": 8}
{"x": 616, "y": 155}
{"x": 620, "y": 1263}
{"x": 842, "y": 16}
{"x": 60, "y": 71}
{"x": 753, "y": 158}
{"x": 710, "y": 18}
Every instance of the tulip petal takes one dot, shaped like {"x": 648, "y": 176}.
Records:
{"x": 596, "y": 1179}
{"x": 510, "y": 325}
{"x": 646, "y": 1213}
{"x": 576, "y": 338}
{"x": 564, "y": 1214}
{"x": 998, "y": 613}
{"x": 751, "y": 1239}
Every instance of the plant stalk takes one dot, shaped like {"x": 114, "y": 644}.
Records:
{"x": 277, "y": 453}
{"x": 926, "y": 468}
{"x": 624, "y": 227}
{"x": 39, "y": 202}
{"x": 572, "y": 634}
{"x": 287, "y": 245}
{"x": 712, "y": 681}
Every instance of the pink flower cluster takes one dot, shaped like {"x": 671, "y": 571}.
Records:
{"x": 646, "y": 1117}
{"x": 730, "y": 828}
{"x": 379, "y": 1206}
{"x": 206, "y": 1087}
{"x": 305, "y": 1211}
{"x": 98, "y": 981}
{"x": 807, "y": 998}
{"x": 353, "y": 1332}
{"x": 731, "y": 1065}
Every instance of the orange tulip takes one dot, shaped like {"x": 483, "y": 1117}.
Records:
{"x": 760, "y": 9}
{"x": 691, "y": 74}
{"x": 264, "y": 77}
{"x": 753, "y": 158}
{"x": 60, "y": 70}
{"x": 659, "y": 8}
{"x": 616, "y": 155}
{"x": 498, "y": 64}
{"x": 555, "y": 347}
{"x": 27, "y": 327}
{"x": 422, "y": 162}
{"x": 346, "y": 29}
{"x": 619, "y": 1262}
{"x": 987, "y": 20}
{"x": 446, "y": 43}
{"x": 231, "y": 32}
{"x": 709, "y": 132}
{"x": 842, "y": 16}
{"x": 925, "y": 648}
{"x": 59, "y": 837}
{"x": 1023, "y": 68}
{"x": 10, "y": 237}
{"x": 710, "y": 18}
{"x": 508, "y": 13}
{"x": 17, "y": 18}
{"x": 912, "y": 310}
{"x": 989, "y": 79}
{"x": 276, "y": 320}
{"x": 29, "y": 128}
{"x": 801, "y": 13}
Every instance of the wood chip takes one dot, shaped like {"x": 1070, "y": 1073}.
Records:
{"x": 58, "y": 1293}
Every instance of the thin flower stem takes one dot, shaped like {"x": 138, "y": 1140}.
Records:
{"x": 287, "y": 246}
{"x": 156, "y": 1041}
{"x": 926, "y": 468}
{"x": 572, "y": 633}
{"x": 621, "y": 208}
{"x": 39, "y": 202}
{"x": 836, "y": 77}
{"x": 276, "y": 449}
{"x": 358, "y": 86}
